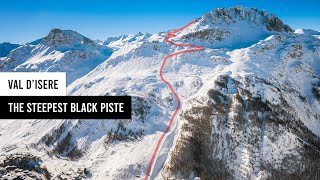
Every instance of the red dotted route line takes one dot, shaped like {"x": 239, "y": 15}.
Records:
{"x": 171, "y": 34}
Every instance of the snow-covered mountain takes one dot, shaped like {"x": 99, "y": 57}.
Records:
{"x": 60, "y": 51}
{"x": 120, "y": 41}
{"x": 307, "y": 31}
{"x": 250, "y": 107}
{"x": 233, "y": 28}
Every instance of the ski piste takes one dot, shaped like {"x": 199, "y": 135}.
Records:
{"x": 194, "y": 48}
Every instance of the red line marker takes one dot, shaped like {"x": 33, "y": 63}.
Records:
{"x": 171, "y": 34}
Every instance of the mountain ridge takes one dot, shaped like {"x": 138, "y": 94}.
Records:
{"x": 235, "y": 27}
{"x": 247, "y": 111}
{"x": 60, "y": 50}
{"x": 6, "y": 47}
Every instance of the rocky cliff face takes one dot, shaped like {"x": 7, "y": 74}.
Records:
{"x": 58, "y": 37}
{"x": 23, "y": 166}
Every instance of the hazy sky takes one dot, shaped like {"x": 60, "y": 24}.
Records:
{"x": 27, "y": 20}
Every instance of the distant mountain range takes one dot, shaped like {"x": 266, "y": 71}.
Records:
{"x": 6, "y": 47}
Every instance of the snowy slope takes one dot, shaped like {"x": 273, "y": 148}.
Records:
{"x": 250, "y": 106}
{"x": 120, "y": 41}
{"x": 307, "y": 31}
{"x": 280, "y": 58}
{"x": 233, "y": 28}
{"x": 62, "y": 50}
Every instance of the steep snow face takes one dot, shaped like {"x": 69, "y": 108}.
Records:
{"x": 6, "y": 47}
{"x": 246, "y": 112}
{"x": 263, "y": 103}
{"x": 62, "y": 50}
{"x": 258, "y": 91}
{"x": 233, "y": 28}
{"x": 263, "y": 107}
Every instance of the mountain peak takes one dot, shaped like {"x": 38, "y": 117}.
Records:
{"x": 234, "y": 27}
{"x": 241, "y": 13}
{"x": 66, "y": 37}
